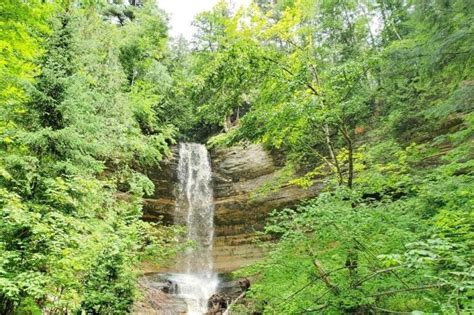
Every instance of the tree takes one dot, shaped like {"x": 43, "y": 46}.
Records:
{"x": 68, "y": 241}
{"x": 352, "y": 96}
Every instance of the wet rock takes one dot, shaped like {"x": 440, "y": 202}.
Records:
{"x": 217, "y": 304}
{"x": 244, "y": 284}
{"x": 170, "y": 287}
{"x": 229, "y": 292}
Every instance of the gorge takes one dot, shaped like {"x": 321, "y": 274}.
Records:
{"x": 142, "y": 173}
{"x": 217, "y": 201}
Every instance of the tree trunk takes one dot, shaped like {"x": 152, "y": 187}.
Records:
{"x": 7, "y": 306}
{"x": 350, "y": 149}
{"x": 333, "y": 156}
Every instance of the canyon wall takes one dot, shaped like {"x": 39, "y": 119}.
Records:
{"x": 238, "y": 173}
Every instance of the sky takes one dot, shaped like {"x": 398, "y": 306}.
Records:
{"x": 182, "y": 13}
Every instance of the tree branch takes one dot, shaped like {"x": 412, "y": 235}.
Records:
{"x": 367, "y": 278}
{"x": 307, "y": 84}
{"x": 325, "y": 277}
{"x": 423, "y": 287}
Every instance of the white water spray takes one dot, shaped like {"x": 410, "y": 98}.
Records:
{"x": 195, "y": 210}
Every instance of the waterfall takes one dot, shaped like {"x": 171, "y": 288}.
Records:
{"x": 194, "y": 209}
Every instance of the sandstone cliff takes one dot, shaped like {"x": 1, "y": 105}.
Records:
{"x": 237, "y": 173}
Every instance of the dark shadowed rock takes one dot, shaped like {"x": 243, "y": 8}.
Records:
{"x": 217, "y": 304}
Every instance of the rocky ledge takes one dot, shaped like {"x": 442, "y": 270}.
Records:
{"x": 161, "y": 296}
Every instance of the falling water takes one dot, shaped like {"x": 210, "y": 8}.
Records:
{"x": 195, "y": 210}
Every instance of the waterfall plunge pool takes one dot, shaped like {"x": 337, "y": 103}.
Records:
{"x": 195, "y": 290}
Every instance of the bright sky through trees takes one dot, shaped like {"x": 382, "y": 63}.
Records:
{"x": 182, "y": 12}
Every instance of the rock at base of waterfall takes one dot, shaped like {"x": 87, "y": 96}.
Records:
{"x": 228, "y": 292}
{"x": 217, "y": 304}
{"x": 155, "y": 301}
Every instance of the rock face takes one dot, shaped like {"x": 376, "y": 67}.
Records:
{"x": 239, "y": 212}
{"x": 238, "y": 172}
{"x": 160, "y": 206}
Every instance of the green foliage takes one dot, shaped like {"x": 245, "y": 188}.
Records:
{"x": 395, "y": 242}
{"x": 21, "y": 26}
{"x": 226, "y": 66}
{"x": 373, "y": 99}
{"x": 72, "y": 145}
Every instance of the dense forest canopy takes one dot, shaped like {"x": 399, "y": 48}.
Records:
{"x": 379, "y": 94}
{"x": 373, "y": 99}
{"x": 81, "y": 115}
